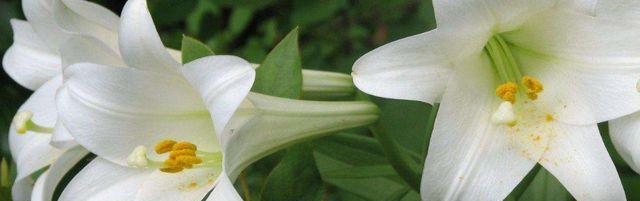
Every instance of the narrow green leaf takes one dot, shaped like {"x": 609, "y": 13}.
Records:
{"x": 193, "y": 49}
{"x": 72, "y": 173}
{"x": 281, "y": 72}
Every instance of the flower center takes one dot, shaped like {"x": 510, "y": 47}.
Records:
{"x": 182, "y": 155}
{"x": 23, "y": 123}
{"x": 512, "y": 80}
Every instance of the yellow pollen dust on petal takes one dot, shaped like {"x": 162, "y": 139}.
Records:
{"x": 164, "y": 146}
{"x": 533, "y": 86}
{"x": 507, "y": 91}
{"x": 174, "y": 169}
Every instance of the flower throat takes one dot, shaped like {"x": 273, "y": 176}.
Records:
{"x": 509, "y": 73}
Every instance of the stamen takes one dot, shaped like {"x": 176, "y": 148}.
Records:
{"x": 533, "y": 86}
{"x": 504, "y": 114}
{"x": 185, "y": 145}
{"x": 23, "y": 123}
{"x": 138, "y": 158}
{"x": 507, "y": 92}
{"x": 164, "y": 146}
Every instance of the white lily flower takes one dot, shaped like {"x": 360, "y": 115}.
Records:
{"x": 562, "y": 69}
{"x": 201, "y": 120}
{"x": 34, "y": 62}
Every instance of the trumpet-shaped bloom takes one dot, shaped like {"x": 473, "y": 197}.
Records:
{"x": 520, "y": 83}
{"x": 34, "y": 62}
{"x": 176, "y": 130}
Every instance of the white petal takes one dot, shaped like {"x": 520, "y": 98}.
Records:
{"x": 22, "y": 188}
{"x": 625, "y": 134}
{"x": 112, "y": 110}
{"x": 578, "y": 158}
{"x": 582, "y": 93}
{"x": 620, "y": 10}
{"x": 61, "y": 138}
{"x": 88, "y": 18}
{"x": 223, "y": 83}
{"x": 265, "y": 124}
{"x": 413, "y": 68}
{"x": 39, "y": 188}
{"x": 59, "y": 169}
{"x": 29, "y": 61}
{"x": 467, "y": 152}
{"x": 102, "y": 180}
{"x": 578, "y": 37}
{"x": 39, "y": 13}
{"x": 502, "y": 15}
{"x": 326, "y": 85}
{"x": 32, "y": 151}
{"x": 140, "y": 43}
{"x": 224, "y": 190}
{"x": 192, "y": 184}
{"x": 81, "y": 49}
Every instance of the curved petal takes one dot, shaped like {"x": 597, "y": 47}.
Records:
{"x": 102, "y": 180}
{"x": 467, "y": 151}
{"x": 582, "y": 93}
{"x": 578, "y": 37}
{"x": 413, "y": 68}
{"x": 31, "y": 150}
{"x": 193, "y": 184}
{"x": 59, "y": 169}
{"x": 39, "y": 187}
{"x": 140, "y": 44}
{"x": 265, "y": 124}
{"x": 22, "y": 188}
{"x": 39, "y": 13}
{"x": 29, "y": 61}
{"x": 578, "y": 158}
{"x": 502, "y": 15}
{"x": 61, "y": 138}
{"x": 224, "y": 190}
{"x": 80, "y": 49}
{"x": 87, "y": 18}
{"x": 111, "y": 110}
{"x": 223, "y": 83}
{"x": 625, "y": 134}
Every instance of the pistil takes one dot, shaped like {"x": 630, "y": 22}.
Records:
{"x": 23, "y": 123}
{"x": 182, "y": 155}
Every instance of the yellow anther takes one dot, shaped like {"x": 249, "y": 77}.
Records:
{"x": 183, "y": 152}
{"x": 171, "y": 169}
{"x": 549, "y": 117}
{"x": 184, "y": 145}
{"x": 188, "y": 160}
{"x": 507, "y": 91}
{"x": 533, "y": 86}
{"x": 164, "y": 146}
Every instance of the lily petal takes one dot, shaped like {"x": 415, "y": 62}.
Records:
{"x": 102, "y": 180}
{"x": 582, "y": 93}
{"x": 31, "y": 150}
{"x": 87, "y": 18}
{"x": 467, "y": 151}
{"x": 29, "y": 61}
{"x": 193, "y": 184}
{"x": 224, "y": 190}
{"x": 223, "y": 82}
{"x": 264, "y": 124}
{"x": 58, "y": 170}
{"x": 61, "y": 138}
{"x": 140, "y": 44}
{"x": 578, "y": 158}
{"x": 39, "y": 13}
{"x": 39, "y": 187}
{"x": 412, "y": 68}
{"x": 80, "y": 49}
{"x": 133, "y": 108}
{"x": 624, "y": 133}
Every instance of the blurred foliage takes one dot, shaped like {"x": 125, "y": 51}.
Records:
{"x": 349, "y": 166}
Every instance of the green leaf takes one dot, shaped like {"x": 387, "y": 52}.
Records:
{"x": 545, "y": 187}
{"x": 281, "y": 72}
{"x": 193, "y": 49}
{"x": 356, "y": 165}
{"x": 66, "y": 179}
{"x": 294, "y": 178}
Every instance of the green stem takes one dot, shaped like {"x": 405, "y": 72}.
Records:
{"x": 4, "y": 174}
{"x": 408, "y": 169}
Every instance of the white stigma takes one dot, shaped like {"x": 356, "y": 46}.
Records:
{"x": 22, "y": 120}
{"x": 138, "y": 158}
{"x": 504, "y": 114}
